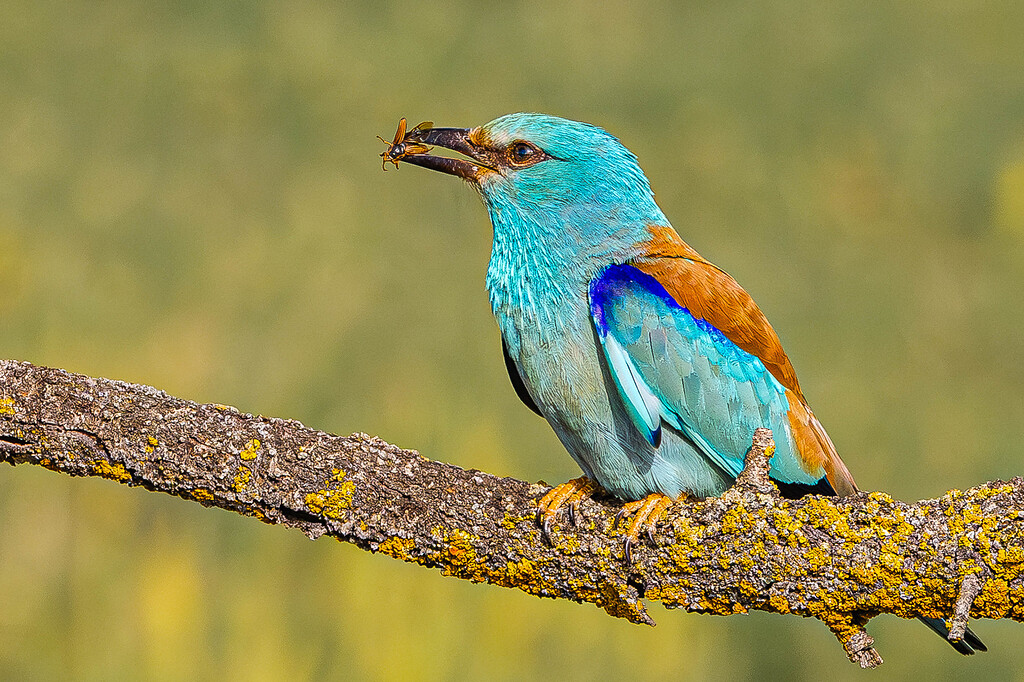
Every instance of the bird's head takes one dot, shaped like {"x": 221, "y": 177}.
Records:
{"x": 548, "y": 171}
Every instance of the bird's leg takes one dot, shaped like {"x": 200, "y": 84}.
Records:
{"x": 646, "y": 513}
{"x": 571, "y": 493}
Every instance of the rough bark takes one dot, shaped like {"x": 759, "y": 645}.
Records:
{"x": 841, "y": 561}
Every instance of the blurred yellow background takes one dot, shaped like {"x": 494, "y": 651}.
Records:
{"x": 190, "y": 197}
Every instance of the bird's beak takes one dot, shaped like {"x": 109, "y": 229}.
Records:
{"x": 459, "y": 140}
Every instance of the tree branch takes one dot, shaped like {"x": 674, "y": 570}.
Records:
{"x": 840, "y": 560}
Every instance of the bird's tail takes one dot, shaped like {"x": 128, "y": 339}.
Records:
{"x": 835, "y": 469}
{"x": 816, "y": 448}
{"x": 970, "y": 644}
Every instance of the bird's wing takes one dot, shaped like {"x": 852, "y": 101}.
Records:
{"x": 686, "y": 346}
{"x": 517, "y": 380}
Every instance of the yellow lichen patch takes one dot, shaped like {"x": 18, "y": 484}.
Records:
{"x": 521, "y": 572}
{"x": 115, "y": 471}
{"x": 151, "y": 444}
{"x": 7, "y": 406}
{"x": 397, "y": 548}
{"x": 613, "y": 602}
{"x": 890, "y": 561}
{"x": 256, "y": 513}
{"x": 786, "y": 523}
{"x": 779, "y": 603}
{"x": 461, "y": 557}
{"x": 995, "y": 596}
{"x": 969, "y": 566}
{"x": 842, "y": 627}
{"x": 1011, "y": 555}
{"x": 830, "y": 605}
{"x": 511, "y": 521}
{"x": 1015, "y": 597}
{"x": 748, "y": 589}
{"x": 242, "y": 479}
{"x": 736, "y": 520}
{"x": 332, "y": 502}
{"x": 864, "y": 573}
{"x": 568, "y": 543}
{"x": 458, "y": 557}
{"x": 744, "y": 561}
{"x": 250, "y": 450}
{"x": 686, "y": 549}
{"x": 818, "y": 557}
{"x": 722, "y": 604}
{"x": 203, "y": 495}
{"x": 986, "y": 492}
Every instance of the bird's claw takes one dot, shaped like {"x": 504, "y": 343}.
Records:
{"x": 568, "y": 494}
{"x": 646, "y": 513}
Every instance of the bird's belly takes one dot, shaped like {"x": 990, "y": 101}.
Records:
{"x": 566, "y": 376}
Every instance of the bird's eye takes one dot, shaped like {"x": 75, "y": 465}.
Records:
{"x": 523, "y": 154}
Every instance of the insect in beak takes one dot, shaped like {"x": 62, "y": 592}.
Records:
{"x": 413, "y": 146}
{"x": 402, "y": 147}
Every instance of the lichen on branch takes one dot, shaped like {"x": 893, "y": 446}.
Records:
{"x": 840, "y": 560}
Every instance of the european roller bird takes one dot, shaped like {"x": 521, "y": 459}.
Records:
{"x": 651, "y": 364}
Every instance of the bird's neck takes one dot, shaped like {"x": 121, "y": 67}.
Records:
{"x": 542, "y": 263}
{"x": 531, "y": 279}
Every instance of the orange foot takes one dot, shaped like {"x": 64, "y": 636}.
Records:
{"x": 646, "y": 514}
{"x": 570, "y": 492}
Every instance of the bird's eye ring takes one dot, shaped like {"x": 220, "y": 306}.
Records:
{"x": 523, "y": 154}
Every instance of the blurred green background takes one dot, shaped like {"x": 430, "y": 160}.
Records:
{"x": 190, "y": 197}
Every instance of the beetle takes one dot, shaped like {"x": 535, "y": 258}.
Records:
{"x": 399, "y": 148}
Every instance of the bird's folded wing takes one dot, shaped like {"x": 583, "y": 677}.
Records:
{"x": 674, "y": 366}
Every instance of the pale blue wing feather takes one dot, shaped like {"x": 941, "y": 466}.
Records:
{"x": 643, "y": 407}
